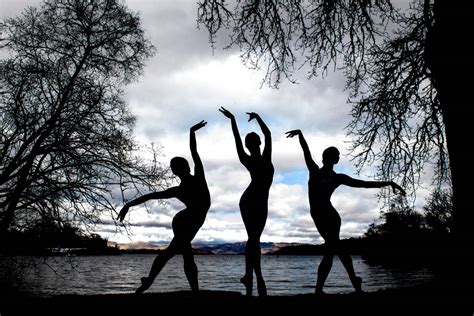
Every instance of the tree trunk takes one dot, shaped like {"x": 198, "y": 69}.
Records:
{"x": 451, "y": 61}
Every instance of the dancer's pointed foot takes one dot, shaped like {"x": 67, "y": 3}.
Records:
{"x": 247, "y": 281}
{"x": 145, "y": 285}
{"x": 319, "y": 290}
{"x": 262, "y": 288}
{"x": 357, "y": 282}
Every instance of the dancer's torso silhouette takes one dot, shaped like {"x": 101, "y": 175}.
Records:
{"x": 321, "y": 185}
{"x": 254, "y": 201}
{"x": 194, "y": 194}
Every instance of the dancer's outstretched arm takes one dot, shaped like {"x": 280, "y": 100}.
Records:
{"x": 243, "y": 157}
{"x": 312, "y": 166}
{"x": 357, "y": 183}
{"x": 166, "y": 194}
{"x": 198, "y": 168}
{"x": 267, "y": 150}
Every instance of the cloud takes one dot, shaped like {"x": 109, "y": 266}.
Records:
{"x": 286, "y": 201}
{"x": 11, "y": 8}
{"x": 153, "y": 224}
{"x": 187, "y": 82}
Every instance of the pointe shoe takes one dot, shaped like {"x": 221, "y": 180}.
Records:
{"x": 248, "y": 285}
{"x": 357, "y": 282}
{"x": 262, "y": 289}
{"x": 145, "y": 285}
{"x": 319, "y": 292}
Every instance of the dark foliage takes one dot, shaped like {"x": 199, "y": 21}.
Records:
{"x": 66, "y": 147}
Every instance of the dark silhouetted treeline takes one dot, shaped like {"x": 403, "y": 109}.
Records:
{"x": 48, "y": 238}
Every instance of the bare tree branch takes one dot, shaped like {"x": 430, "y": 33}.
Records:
{"x": 66, "y": 146}
{"x": 397, "y": 120}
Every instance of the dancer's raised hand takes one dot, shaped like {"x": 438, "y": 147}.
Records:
{"x": 198, "y": 126}
{"x": 226, "y": 113}
{"x": 293, "y": 133}
{"x": 252, "y": 115}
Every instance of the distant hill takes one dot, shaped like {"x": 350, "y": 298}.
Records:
{"x": 237, "y": 248}
{"x": 140, "y": 245}
{"x": 300, "y": 250}
{"x": 350, "y": 245}
{"x": 222, "y": 249}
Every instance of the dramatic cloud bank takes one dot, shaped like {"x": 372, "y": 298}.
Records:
{"x": 187, "y": 82}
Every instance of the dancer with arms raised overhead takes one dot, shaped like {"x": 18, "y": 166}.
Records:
{"x": 254, "y": 201}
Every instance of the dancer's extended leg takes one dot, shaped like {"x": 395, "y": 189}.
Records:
{"x": 323, "y": 271}
{"x": 158, "y": 264}
{"x": 256, "y": 254}
{"x": 247, "y": 279}
{"x": 347, "y": 262}
{"x": 190, "y": 268}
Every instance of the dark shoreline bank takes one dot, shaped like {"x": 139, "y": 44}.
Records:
{"x": 434, "y": 293}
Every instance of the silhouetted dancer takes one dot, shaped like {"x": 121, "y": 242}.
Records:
{"x": 254, "y": 201}
{"x": 322, "y": 183}
{"x": 194, "y": 193}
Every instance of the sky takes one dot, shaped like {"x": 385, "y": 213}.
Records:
{"x": 186, "y": 82}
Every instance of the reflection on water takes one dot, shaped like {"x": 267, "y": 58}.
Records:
{"x": 284, "y": 275}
